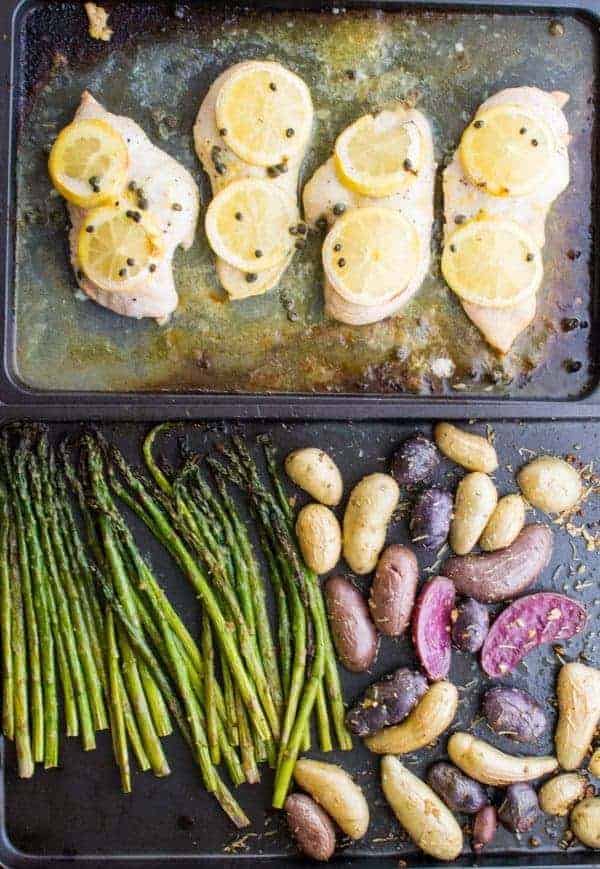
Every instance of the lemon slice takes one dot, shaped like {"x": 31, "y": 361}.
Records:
{"x": 264, "y": 113}
{"x": 88, "y": 163}
{"x": 507, "y": 151}
{"x": 379, "y": 156}
{"x": 492, "y": 262}
{"x": 248, "y": 224}
{"x": 371, "y": 254}
{"x": 118, "y": 249}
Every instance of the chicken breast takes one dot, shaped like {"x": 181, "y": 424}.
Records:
{"x": 326, "y": 197}
{"x": 464, "y": 200}
{"x": 165, "y": 182}
{"x": 223, "y": 166}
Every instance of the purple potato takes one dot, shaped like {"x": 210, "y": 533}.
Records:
{"x": 457, "y": 790}
{"x": 527, "y": 623}
{"x": 311, "y": 827}
{"x": 393, "y": 590}
{"x": 514, "y": 713}
{"x": 430, "y": 518}
{"x": 484, "y": 827}
{"x": 431, "y": 626}
{"x": 470, "y": 625}
{"x": 494, "y": 576}
{"x": 520, "y": 809}
{"x": 415, "y": 460}
{"x": 387, "y": 702}
{"x": 354, "y": 634}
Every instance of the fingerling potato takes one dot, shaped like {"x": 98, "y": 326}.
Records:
{"x": 427, "y": 820}
{"x": 334, "y": 790}
{"x": 368, "y": 514}
{"x": 315, "y": 471}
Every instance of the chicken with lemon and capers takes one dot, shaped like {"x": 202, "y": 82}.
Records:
{"x": 512, "y": 163}
{"x": 375, "y": 194}
{"x": 130, "y": 204}
{"x": 251, "y": 135}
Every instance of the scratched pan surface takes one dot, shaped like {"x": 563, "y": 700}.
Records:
{"x": 77, "y": 812}
{"x": 158, "y": 67}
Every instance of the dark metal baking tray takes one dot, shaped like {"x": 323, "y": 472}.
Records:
{"x": 76, "y": 815}
{"x": 27, "y": 71}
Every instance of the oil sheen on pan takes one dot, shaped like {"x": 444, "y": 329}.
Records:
{"x": 157, "y": 69}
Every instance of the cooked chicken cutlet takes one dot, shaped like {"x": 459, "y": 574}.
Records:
{"x": 165, "y": 183}
{"x": 535, "y": 157}
{"x": 223, "y": 166}
{"x": 328, "y": 196}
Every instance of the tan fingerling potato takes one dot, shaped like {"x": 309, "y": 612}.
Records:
{"x": 475, "y": 501}
{"x": 558, "y": 795}
{"x": 551, "y": 484}
{"x": 432, "y": 716}
{"x": 585, "y": 821}
{"x": 490, "y": 766}
{"x": 316, "y": 472}
{"x": 334, "y": 789}
{"x": 320, "y": 537}
{"x": 578, "y": 693}
{"x": 473, "y": 452}
{"x": 368, "y": 513}
{"x": 505, "y": 524}
{"x": 427, "y": 820}
{"x": 594, "y": 765}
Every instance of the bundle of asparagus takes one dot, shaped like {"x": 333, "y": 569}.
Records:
{"x": 87, "y": 621}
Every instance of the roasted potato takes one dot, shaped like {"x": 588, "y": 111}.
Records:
{"x": 392, "y": 595}
{"x": 320, "y": 537}
{"x": 387, "y": 702}
{"x": 475, "y": 501}
{"x": 490, "y": 766}
{"x": 520, "y": 808}
{"x": 505, "y": 524}
{"x": 578, "y": 693}
{"x": 310, "y": 826}
{"x": 504, "y": 574}
{"x": 431, "y": 625}
{"x": 368, "y": 514}
{"x": 558, "y": 795}
{"x": 458, "y": 791}
{"x": 585, "y": 821}
{"x": 429, "y": 823}
{"x": 334, "y": 789}
{"x": 473, "y": 452}
{"x": 354, "y": 634}
{"x": 316, "y": 472}
{"x": 485, "y": 825}
{"x": 430, "y": 518}
{"x": 550, "y": 484}
{"x": 527, "y": 623}
{"x": 415, "y": 460}
{"x": 470, "y": 625}
{"x": 432, "y": 716}
{"x": 514, "y": 713}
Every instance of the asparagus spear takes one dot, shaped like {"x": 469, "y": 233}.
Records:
{"x": 8, "y": 723}
{"x": 93, "y": 678}
{"x": 117, "y": 713}
{"x": 142, "y": 576}
{"x": 19, "y": 651}
{"x": 31, "y": 627}
{"x": 239, "y": 542}
{"x": 39, "y": 581}
{"x": 61, "y": 615}
{"x": 181, "y": 553}
{"x": 210, "y": 690}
